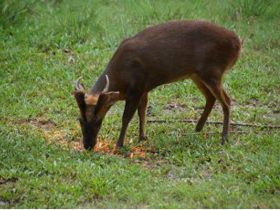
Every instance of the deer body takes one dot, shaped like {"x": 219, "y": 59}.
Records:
{"x": 158, "y": 55}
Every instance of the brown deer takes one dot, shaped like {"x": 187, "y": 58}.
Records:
{"x": 160, "y": 54}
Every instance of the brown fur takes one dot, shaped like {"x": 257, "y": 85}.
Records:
{"x": 91, "y": 99}
{"x": 162, "y": 54}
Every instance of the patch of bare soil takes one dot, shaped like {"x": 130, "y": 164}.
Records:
{"x": 174, "y": 106}
{"x": 274, "y": 116}
{"x": 138, "y": 152}
{"x": 53, "y": 134}
{"x": 2, "y": 203}
{"x": 9, "y": 180}
{"x": 38, "y": 122}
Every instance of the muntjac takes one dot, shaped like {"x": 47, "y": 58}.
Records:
{"x": 165, "y": 53}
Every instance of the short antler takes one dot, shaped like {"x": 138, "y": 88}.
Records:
{"x": 79, "y": 86}
{"x": 107, "y": 84}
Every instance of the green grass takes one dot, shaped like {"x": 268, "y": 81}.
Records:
{"x": 40, "y": 167}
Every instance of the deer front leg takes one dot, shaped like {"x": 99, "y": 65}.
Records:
{"x": 142, "y": 116}
{"x": 131, "y": 105}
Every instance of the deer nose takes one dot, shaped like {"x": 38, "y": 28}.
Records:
{"x": 88, "y": 146}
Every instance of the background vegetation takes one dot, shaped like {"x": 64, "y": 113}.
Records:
{"x": 47, "y": 44}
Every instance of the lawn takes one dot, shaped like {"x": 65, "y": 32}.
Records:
{"x": 46, "y": 45}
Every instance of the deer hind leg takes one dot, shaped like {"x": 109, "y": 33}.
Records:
{"x": 142, "y": 107}
{"x": 227, "y": 97}
{"x": 210, "y": 101}
{"x": 217, "y": 89}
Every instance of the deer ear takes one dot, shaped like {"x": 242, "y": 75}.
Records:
{"x": 105, "y": 100}
{"x": 80, "y": 99}
{"x": 110, "y": 97}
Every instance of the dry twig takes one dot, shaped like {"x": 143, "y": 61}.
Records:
{"x": 216, "y": 123}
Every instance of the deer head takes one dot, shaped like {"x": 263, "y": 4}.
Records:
{"x": 93, "y": 107}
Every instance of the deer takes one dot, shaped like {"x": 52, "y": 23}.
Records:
{"x": 173, "y": 51}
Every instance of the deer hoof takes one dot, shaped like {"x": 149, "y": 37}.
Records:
{"x": 119, "y": 145}
{"x": 143, "y": 138}
{"x": 224, "y": 139}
